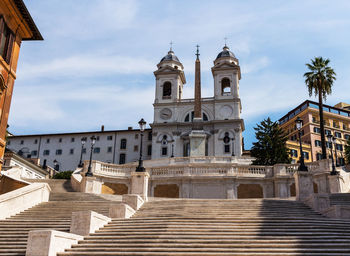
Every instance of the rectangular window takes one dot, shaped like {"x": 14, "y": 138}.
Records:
{"x": 72, "y": 139}
{"x": 136, "y": 136}
{"x": 59, "y": 152}
{"x": 47, "y": 140}
{"x": 71, "y": 151}
{"x": 293, "y": 153}
{"x": 110, "y": 137}
{"x": 317, "y": 143}
{"x": 60, "y": 140}
{"x": 317, "y": 130}
{"x": 164, "y": 151}
{"x": 46, "y": 152}
{"x": 319, "y": 156}
{"x": 22, "y": 141}
{"x": 122, "y": 158}
{"x": 34, "y": 153}
{"x": 109, "y": 150}
{"x": 306, "y": 155}
{"x": 337, "y": 134}
{"x": 136, "y": 148}
{"x": 35, "y": 141}
{"x": 328, "y": 145}
{"x": 347, "y": 136}
{"x": 84, "y": 150}
{"x": 149, "y": 150}
{"x": 339, "y": 147}
{"x": 97, "y": 138}
{"x": 7, "y": 39}
{"x": 227, "y": 148}
{"x": 149, "y": 136}
{"x": 96, "y": 150}
{"x": 328, "y": 132}
{"x": 123, "y": 144}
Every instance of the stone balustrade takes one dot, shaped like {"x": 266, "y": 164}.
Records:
{"x": 203, "y": 166}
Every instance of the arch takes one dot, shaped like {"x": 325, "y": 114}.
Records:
{"x": 114, "y": 188}
{"x": 191, "y": 114}
{"x": 166, "y": 90}
{"x": 160, "y": 137}
{"x": 167, "y": 190}
{"x": 225, "y": 86}
{"x": 250, "y": 191}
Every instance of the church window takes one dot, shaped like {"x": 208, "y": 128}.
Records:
{"x": 122, "y": 157}
{"x": 204, "y": 117}
{"x": 165, "y": 140}
{"x": 226, "y": 140}
{"x": 149, "y": 150}
{"x": 166, "y": 90}
{"x": 225, "y": 86}
{"x": 123, "y": 144}
{"x": 164, "y": 151}
{"x": 7, "y": 39}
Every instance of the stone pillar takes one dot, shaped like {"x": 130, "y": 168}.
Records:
{"x": 91, "y": 185}
{"x": 282, "y": 188}
{"x": 197, "y": 143}
{"x": 303, "y": 185}
{"x": 139, "y": 184}
{"x": 322, "y": 182}
{"x": 334, "y": 183}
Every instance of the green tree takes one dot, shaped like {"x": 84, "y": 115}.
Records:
{"x": 319, "y": 81}
{"x": 347, "y": 151}
{"x": 270, "y": 147}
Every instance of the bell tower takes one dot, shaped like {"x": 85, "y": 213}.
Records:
{"x": 227, "y": 73}
{"x": 170, "y": 79}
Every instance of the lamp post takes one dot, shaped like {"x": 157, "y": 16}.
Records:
{"x": 83, "y": 141}
{"x": 142, "y": 124}
{"x": 334, "y": 140}
{"x": 93, "y": 140}
{"x": 330, "y": 139}
{"x": 299, "y": 124}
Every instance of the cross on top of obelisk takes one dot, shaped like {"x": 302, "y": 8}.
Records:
{"x": 171, "y": 45}
{"x": 225, "y": 38}
{"x": 197, "y": 51}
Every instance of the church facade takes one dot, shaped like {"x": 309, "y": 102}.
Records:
{"x": 220, "y": 114}
{"x": 171, "y": 129}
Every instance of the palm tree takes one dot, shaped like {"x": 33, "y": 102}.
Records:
{"x": 319, "y": 81}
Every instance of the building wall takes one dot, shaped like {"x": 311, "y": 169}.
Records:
{"x": 72, "y": 141}
{"x": 11, "y": 20}
{"x": 337, "y": 120}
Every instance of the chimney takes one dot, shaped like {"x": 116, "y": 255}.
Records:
{"x": 102, "y": 128}
{"x": 129, "y": 128}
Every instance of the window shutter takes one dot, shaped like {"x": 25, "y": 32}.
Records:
{"x": 11, "y": 40}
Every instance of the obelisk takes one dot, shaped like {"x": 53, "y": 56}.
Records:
{"x": 197, "y": 135}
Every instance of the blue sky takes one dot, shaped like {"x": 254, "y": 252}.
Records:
{"x": 96, "y": 63}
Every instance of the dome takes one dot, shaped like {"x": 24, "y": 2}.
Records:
{"x": 226, "y": 53}
{"x": 170, "y": 57}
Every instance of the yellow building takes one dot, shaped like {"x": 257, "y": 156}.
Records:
{"x": 337, "y": 123}
{"x": 294, "y": 147}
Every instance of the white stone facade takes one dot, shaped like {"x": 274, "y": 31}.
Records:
{"x": 221, "y": 113}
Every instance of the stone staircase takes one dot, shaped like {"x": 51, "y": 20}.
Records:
{"x": 340, "y": 199}
{"x": 55, "y": 214}
{"x": 56, "y": 185}
{"x": 219, "y": 227}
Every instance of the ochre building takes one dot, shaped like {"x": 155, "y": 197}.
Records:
{"x": 337, "y": 123}
{"x": 16, "y": 25}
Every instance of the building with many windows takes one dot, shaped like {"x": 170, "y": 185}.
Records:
{"x": 119, "y": 147}
{"x": 337, "y": 123}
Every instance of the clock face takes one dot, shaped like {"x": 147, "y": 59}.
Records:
{"x": 165, "y": 114}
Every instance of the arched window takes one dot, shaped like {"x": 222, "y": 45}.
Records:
{"x": 225, "y": 86}
{"x": 123, "y": 144}
{"x": 166, "y": 90}
{"x": 187, "y": 118}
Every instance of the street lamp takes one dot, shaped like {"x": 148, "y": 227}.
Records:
{"x": 172, "y": 149}
{"x": 83, "y": 141}
{"x": 93, "y": 141}
{"x": 299, "y": 124}
{"x": 330, "y": 139}
{"x": 142, "y": 124}
{"x": 334, "y": 140}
